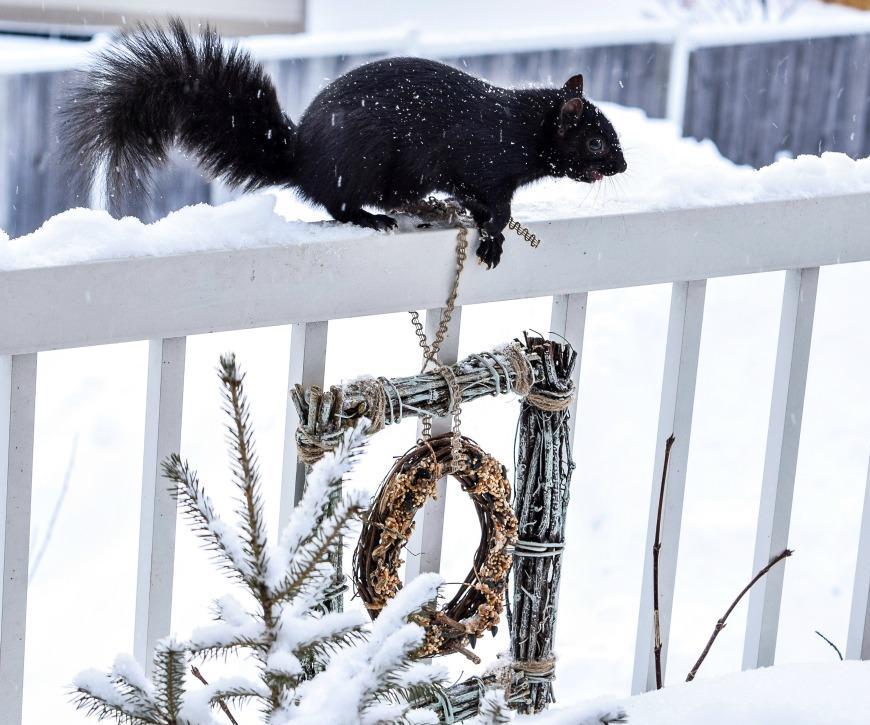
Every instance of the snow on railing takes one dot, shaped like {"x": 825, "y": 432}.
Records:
{"x": 271, "y": 281}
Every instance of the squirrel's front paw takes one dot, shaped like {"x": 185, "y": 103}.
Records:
{"x": 489, "y": 249}
{"x": 383, "y": 223}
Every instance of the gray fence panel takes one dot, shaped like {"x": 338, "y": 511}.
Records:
{"x": 299, "y": 80}
{"x": 632, "y": 75}
{"x": 35, "y": 186}
{"x": 173, "y": 186}
{"x": 802, "y": 97}
{"x": 5, "y": 82}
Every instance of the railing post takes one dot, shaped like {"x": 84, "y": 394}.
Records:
{"x": 780, "y": 462}
{"x": 157, "y": 515}
{"x": 424, "y": 546}
{"x": 675, "y": 417}
{"x": 308, "y": 367}
{"x": 568, "y": 319}
{"x": 17, "y": 415}
{"x": 858, "y": 641}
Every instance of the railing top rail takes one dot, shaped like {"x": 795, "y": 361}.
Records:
{"x": 452, "y": 43}
{"x": 708, "y": 36}
{"x": 29, "y": 55}
{"x": 140, "y": 298}
{"x": 442, "y": 43}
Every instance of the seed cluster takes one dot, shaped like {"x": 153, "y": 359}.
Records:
{"x": 477, "y": 606}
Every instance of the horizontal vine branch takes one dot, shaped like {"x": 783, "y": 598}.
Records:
{"x": 462, "y": 700}
{"x": 324, "y": 414}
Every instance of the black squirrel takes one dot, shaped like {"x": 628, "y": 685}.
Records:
{"x": 385, "y": 134}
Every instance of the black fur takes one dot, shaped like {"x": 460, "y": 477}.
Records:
{"x": 153, "y": 87}
{"x": 384, "y": 135}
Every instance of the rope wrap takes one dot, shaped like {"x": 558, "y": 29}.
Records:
{"x": 324, "y": 414}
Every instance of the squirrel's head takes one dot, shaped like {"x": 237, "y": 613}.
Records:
{"x": 587, "y": 144}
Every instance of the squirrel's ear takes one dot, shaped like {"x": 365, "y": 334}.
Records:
{"x": 575, "y": 83}
{"x": 569, "y": 116}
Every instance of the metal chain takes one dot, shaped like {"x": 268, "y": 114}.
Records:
{"x": 430, "y": 352}
{"x": 456, "y": 411}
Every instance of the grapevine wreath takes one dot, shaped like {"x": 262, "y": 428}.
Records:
{"x": 478, "y": 604}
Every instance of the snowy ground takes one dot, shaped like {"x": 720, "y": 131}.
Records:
{"x": 790, "y": 695}
{"x": 91, "y": 403}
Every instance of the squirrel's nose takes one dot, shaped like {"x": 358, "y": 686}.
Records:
{"x": 616, "y": 167}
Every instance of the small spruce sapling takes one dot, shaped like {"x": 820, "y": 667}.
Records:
{"x": 313, "y": 665}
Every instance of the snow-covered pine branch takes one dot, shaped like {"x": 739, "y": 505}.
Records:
{"x": 126, "y": 695}
{"x": 197, "y": 507}
{"x": 245, "y": 470}
{"x": 232, "y": 629}
{"x": 373, "y": 681}
{"x": 310, "y": 661}
{"x": 318, "y": 520}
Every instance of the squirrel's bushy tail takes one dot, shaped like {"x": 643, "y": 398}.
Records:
{"x": 154, "y": 87}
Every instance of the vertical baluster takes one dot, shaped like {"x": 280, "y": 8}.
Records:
{"x": 307, "y": 367}
{"x": 568, "y": 319}
{"x": 17, "y": 412}
{"x": 424, "y": 547}
{"x": 780, "y": 462}
{"x": 858, "y": 642}
{"x": 157, "y": 516}
{"x": 675, "y": 417}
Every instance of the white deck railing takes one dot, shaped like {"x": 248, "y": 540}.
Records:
{"x": 165, "y": 299}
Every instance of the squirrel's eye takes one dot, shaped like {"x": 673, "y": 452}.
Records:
{"x": 595, "y": 144}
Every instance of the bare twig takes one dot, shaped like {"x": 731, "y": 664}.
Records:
{"x": 58, "y": 506}
{"x": 656, "y": 549}
{"x": 836, "y": 649}
{"x": 198, "y": 675}
{"x": 720, "y": 625}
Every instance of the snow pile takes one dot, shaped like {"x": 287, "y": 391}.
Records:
{"x": 665, "y": 172}
{"x": 794, "y": 695}
{"x": 80, "y": 235}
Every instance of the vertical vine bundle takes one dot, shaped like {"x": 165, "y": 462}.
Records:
{"x": 543, "y": 475}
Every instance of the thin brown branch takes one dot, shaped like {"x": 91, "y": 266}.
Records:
{"x": 833, "y": 646}
{"x": 720, "y": 625}
{"x": 657, "y": 546}
{"x": 198, "y": 675}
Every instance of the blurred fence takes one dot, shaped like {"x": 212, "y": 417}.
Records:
{"x": 796, "y": 96}
{"x": 32, "y": 183}
{"x": 755, "y": 94}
